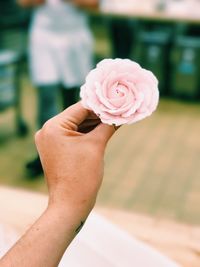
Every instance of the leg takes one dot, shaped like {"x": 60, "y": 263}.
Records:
{"x": 70, "y": 96}
{"x": 47, "y": 103}
{"x": 121, "y": 32}
{"x": 47, "y": 108}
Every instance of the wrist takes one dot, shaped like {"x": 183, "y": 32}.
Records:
{"x": 70, "y": 218}
{"x": 77, "y": 208}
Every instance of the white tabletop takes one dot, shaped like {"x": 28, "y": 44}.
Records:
{"x": 187, "y": 11}
{"x": 100, "y": 243}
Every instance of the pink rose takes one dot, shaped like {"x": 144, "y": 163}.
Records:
{"x": 120, "y": 91}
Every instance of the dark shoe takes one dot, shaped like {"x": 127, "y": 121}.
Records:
{"x": 34, "y": 168}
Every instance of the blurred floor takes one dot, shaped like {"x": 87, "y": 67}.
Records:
{"x": 151, "y": 167}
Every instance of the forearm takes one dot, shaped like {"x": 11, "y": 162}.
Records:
{"x": 46, "y": 241}
{"x": 73, "y": 166}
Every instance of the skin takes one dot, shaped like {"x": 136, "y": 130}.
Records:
{"x": 71, "y": 147}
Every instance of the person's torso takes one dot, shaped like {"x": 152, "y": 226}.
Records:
{"x": 57, "y": 16}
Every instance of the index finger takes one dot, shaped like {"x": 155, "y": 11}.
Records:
{"x": 75, "y": 114}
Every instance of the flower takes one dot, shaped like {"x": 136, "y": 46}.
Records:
{"x": 120, "y": 91}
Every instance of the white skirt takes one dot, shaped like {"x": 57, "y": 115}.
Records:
{"x": 60, "y": 58}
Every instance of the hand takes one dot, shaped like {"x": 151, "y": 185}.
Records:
{"x": 73, "y": 160}
{"x": 71, "y": 147}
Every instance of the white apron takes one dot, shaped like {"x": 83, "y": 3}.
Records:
{"x": 61, "y": 45}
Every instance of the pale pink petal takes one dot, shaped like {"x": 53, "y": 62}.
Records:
{"x": 119, "y": 91}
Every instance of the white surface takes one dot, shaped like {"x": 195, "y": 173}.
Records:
{"x": 99, "y": 244}
{"x": 188, "y": 8}
{"x": 7, "y": 238}
{"x": 102, "y": 244}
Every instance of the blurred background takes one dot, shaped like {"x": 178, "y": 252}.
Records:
{"x": 152, "y": 173}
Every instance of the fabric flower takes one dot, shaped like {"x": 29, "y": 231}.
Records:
{"x": 120, "y": 91}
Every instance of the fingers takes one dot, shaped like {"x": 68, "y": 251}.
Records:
{"x": 75, "y": 114}
{"x": 88, "y": 125}
{"x": 103, "y": 132}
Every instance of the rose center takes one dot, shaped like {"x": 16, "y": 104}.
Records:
{"x": 117, "y": 91}
{"x": 120, "y": 90}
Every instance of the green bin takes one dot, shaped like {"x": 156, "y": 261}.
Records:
{"x": 186, "y": 67}
{"x": 154, "y": 55}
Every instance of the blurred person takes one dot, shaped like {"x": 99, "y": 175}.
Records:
{"x": 73, "y": 166}
{"x": 121, "y": 32}
{"x": 60, "y": 56}
{"x": 120, "y": 28}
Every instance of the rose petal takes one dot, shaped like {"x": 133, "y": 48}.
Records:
{"x": 120, "y": 91}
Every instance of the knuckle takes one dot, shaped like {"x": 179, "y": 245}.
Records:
{"x": 37, "y": 137}
{"x": 94, "y": 149}
{"x": 48, "y": 128}
{"x": 47, "y": 131}
{"x": 98, "y": 143}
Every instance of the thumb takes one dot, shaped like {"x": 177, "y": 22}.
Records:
{"x": 75, "y": 114}
{"x": 103, "y": 132}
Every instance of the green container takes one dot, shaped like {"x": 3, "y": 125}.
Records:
{"x": 186, "y": 67}
{"x": 8, "y": 60}
{"x": 154, "y": 55}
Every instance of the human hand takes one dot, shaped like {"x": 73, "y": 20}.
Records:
{"x": 72, "y": 159}
{"x": 71, "y": 147}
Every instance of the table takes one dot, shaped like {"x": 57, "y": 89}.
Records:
{"x": 100, "y": 243}
{"x": 185, "y": 11}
